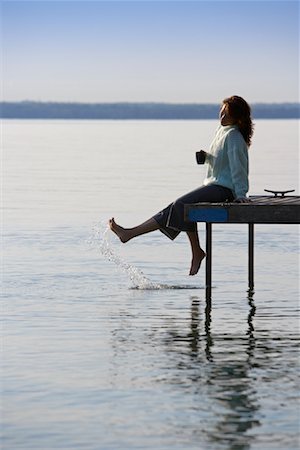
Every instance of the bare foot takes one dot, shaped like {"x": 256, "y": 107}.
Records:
{"x": 122, "y": 233}
{"x": 196, "y": 262}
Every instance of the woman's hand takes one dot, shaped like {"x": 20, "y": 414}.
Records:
{"x": 242, "y": 200}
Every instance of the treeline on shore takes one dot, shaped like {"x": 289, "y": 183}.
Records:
{"x": 123, "y": 111}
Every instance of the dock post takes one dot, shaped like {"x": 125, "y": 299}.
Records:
{"x": 251, "y": 255}
{"x": 208, "y": 258}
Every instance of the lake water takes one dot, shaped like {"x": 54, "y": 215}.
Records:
{"x": 111, "y": 346}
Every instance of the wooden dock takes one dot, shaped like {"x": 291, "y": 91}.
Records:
{"x": 267, "y": 209}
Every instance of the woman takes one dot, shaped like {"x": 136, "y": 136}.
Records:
{"x": 226, "y": 180}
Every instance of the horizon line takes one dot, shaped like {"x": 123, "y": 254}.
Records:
{"x": 152, "y": 102}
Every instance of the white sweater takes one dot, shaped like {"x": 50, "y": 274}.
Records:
{"x": 227, "y": 161}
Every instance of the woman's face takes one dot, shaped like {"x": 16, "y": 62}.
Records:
{"x": 225, "y": 117}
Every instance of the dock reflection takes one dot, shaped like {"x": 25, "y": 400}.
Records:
{"x": 195, "y": 335}
{"x": 233, "y": 392}
{"x": 225, "y": 377}
{"x": 210, "y": 370}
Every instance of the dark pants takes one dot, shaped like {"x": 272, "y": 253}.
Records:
{"x": 171, "y": 219}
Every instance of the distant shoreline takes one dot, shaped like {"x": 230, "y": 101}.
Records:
{"x": 137, "y": 111}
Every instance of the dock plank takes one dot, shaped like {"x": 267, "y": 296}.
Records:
{"x": 261, "y": 209}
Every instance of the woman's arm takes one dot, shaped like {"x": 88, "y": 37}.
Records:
{"x": 238, "y": 163}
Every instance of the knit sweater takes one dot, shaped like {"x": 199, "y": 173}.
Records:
{"x": 227, "y": 161}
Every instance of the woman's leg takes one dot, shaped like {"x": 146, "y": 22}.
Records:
{"x": 198, "y": 254}
{"x": 171, "y": 221}
{"x": 172, "y": 218}
{"x": 125, "y": 234}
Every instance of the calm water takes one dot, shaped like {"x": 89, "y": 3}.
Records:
{"x": 111, "y": 346}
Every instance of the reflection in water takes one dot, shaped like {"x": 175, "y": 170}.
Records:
{"x": 209, "y": 341}
{"x": 211, "y": 370}
{"x": 250, "y": 332}
{"x": 195, "y": 335}
{"x": 225, "y": 380}
{"x": 234, "y": 395}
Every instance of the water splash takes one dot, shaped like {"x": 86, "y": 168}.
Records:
{"x": 100, "y": 240}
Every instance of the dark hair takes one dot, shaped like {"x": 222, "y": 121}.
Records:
{"x": 240, "y": 111}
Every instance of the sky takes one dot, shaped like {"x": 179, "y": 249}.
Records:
{"x": 150, "y": 51}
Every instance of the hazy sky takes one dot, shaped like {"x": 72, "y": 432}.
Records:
{"x": 170, "y": 51}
